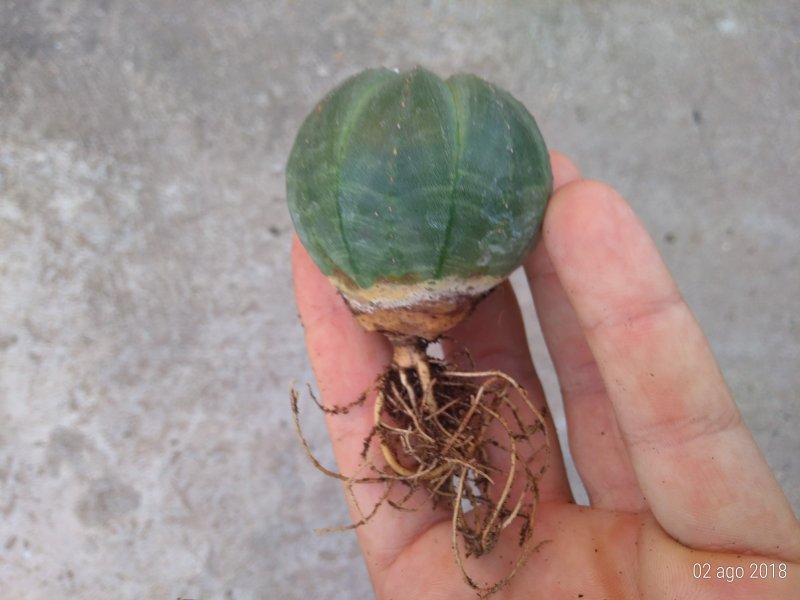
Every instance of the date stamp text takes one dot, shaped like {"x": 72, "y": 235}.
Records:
{"x": 731, "y": 573}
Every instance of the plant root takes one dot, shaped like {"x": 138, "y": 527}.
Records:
{"x": 473, "y": 442}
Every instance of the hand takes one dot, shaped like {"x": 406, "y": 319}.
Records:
{"x": 678, "y": 487}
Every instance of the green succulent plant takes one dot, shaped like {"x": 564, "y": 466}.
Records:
{"x": 416, "y": 195}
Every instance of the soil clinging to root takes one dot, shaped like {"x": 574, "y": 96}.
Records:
{"x": 470, "y": 441}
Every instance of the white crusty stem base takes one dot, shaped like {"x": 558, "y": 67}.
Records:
{"x": 425, "y": 310}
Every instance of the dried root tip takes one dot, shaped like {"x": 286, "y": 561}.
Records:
{"x": 410, "y": 353}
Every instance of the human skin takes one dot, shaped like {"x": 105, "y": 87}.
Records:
{"x": 673, "y": 474}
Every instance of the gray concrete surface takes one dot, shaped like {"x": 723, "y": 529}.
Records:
{"x": 147, "y": 329}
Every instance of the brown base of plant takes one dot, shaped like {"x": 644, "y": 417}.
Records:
{"x": 469, "y": 440}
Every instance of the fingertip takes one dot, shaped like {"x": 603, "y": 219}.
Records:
{"x": 300, "y": 258}
{"x": 296, "y": 245}
{"x": 604, "y": 257}
{"x": 583, "y": 190}
{"x": 312, "y": 287}
{"x": 564, "y": 170}
{"x": 580, "y": 211}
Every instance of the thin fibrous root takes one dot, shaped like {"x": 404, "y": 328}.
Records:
{"x": 467, "y": 440}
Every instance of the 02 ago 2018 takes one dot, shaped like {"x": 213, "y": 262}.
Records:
{"x": 731, "y": 573}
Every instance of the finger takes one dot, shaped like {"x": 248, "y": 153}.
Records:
{"x": 696, "y": 462}
{"x": 564, "y": 170}
{"x": 494, "y": 336}
{"x": 594, "y": 439}
{"x": 346, "y": 361}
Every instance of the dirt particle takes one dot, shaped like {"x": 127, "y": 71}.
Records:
{"x": 7, "y": 340}
{"x": 68, "y": 446}
{"x": 106, "y": 499}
